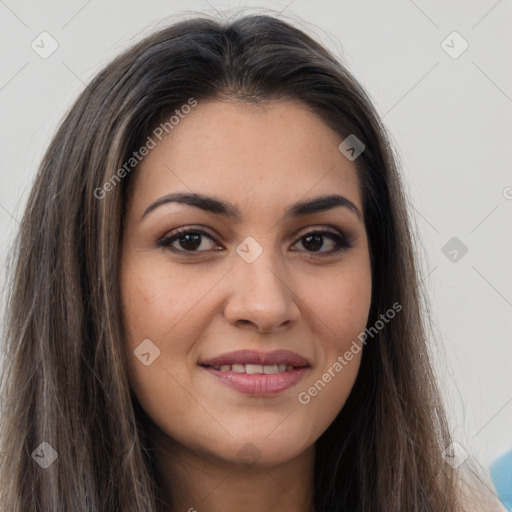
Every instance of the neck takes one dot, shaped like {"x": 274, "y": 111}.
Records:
{"x": 196, "y": 482}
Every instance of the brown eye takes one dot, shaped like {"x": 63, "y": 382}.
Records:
{"x": 313, "y": 241}
{"x": 188, "y": 239}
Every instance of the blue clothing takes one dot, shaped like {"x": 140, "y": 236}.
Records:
{"x": 501, "y": 474}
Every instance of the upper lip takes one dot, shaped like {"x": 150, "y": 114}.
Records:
{"x": 256, "y": 357}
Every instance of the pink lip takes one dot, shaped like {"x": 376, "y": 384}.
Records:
{"x": 256, "y": 357}
{"x": 259, "y": 384}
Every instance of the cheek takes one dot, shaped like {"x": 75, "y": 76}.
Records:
{"x": 341, "y": 305}
{"x": 168, "y": 307}
{"x": 155, "y": 315}
{"x": 340, "y": 315}
{"x": 157, "y": 301}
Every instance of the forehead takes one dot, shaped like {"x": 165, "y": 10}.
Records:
{"x": 276, "y": 152}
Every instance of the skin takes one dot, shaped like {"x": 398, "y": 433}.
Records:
{"x": 198, "y": 305}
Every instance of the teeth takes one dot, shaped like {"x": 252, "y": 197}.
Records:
{"x": 237, "y": 368}
{"x": 254, "y": 369}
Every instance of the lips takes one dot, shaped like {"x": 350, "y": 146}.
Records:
{"x": 258, "y": 373}
{"x": 253, "y": 357}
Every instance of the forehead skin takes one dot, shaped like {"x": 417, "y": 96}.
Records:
{"x": 232, "y": 149}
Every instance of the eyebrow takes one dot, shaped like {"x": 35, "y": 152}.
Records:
{"x": 220, "y": 207}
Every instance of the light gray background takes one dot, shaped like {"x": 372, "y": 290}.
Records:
{"x": 450, "y": 120}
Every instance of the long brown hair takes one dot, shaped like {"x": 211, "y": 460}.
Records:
{"x": 64, "y": 381}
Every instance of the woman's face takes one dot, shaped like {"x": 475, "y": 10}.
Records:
{"x": 246, "y": 278}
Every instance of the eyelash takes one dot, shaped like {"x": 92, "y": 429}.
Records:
{"x": 343, "y": 242}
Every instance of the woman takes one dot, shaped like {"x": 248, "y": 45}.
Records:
{"x": 216, "y": 303}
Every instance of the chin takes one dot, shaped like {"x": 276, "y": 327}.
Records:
{"x": 262, "y": 450}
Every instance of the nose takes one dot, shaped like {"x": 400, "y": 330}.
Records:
{"x": 261, "y": 296}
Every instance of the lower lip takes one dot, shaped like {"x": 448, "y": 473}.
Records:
{"x": 259, "y": 383}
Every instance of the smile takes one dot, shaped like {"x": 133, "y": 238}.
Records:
{"x": 255, "y": 369}
{"x": 258, "y": 373}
